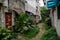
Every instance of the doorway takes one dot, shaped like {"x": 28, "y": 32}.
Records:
{"x": 8, "y": 20}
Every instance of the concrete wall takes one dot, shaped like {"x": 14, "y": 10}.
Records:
{"x": 1, "y": 1}
{"x": 18, "y": 6}
{"x": 55, "y": 20}
{"x": 58, "y": 26}
{"x": 2, "y": 18}
{"x": 31, "y": 5}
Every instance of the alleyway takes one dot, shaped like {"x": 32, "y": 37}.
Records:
{"x": 38, "y": 36}
{"x": 42, "y": 30}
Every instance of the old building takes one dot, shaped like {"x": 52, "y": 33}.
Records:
{"x": 32, "y": 8}
{"x": 54, "y": 7}
{"x": 8, "y": 10}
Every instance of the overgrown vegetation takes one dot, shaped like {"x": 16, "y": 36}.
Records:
{"x": 50, "y": 34}
{"x": 45, "y": 16}
{"x": 6, "y": 34}
{"x": 45, "y": 26}
{"x": 25, "y": 26}
{"x": 31, "y": 32}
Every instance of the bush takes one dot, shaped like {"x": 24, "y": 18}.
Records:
{"x": 48, "y": 21}
{"x": 46, "y": 27}
{"x": 50, "y": 35}
{"x": 45, "y": 16}
{"x": 6, "y": 34}
{"x": 33, "y": 31}
{"x": 25, "y": 26}
{"x": 22, "y": 23}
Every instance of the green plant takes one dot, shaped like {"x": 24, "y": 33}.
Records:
{"x": 48, "y": 21}
{"x": 45, "y": 16}
{"x": 33, "y": 31}
{"x": 22, "y": 22}
{"x": 6, "y": 34}
{"x": 25, "y": 26}
{"x": 46, "y": 27}
{"x": 50, "y": 35}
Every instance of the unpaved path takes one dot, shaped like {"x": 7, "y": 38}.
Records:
{"x": 38, "y": 36}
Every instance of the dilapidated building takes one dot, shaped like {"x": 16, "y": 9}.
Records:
{"x": 54, "y": 7}
{"x": 8, "y": 10}
{"x": 32, "y": 8}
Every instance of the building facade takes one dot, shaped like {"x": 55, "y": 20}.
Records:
{"x": 54, "y": 7}
{"x": 8, "y": 10}
{"x": 33, "y": 9}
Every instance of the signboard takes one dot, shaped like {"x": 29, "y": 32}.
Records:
{"x": 52, "y": 3}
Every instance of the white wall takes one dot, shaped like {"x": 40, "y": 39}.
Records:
{"x": 31, "y": 7}
{"x": 55, "y": 21}
{"x": 5, "y": 3}
{"x": 55, "y": 17}
{"x": 1, "y": 1}
{"x": 58, "y": 26}
{"x": 17, "y": 6}
{"x": 41, "y": 3}
{"x": 2, "y": 18}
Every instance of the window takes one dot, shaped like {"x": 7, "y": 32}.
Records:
{"x": 58, "y": 11}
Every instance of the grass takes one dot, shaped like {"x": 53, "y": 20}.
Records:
{"x": 45, "y": 26}
{"x": 50, "y": 34}
{"x": 32, "y": 32}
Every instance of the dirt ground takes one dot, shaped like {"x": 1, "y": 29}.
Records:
{"x": 38, "y": 36}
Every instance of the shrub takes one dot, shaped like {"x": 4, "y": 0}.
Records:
{"x": 46, "y": 27}
{"x": 45, "y": 16}
{"x": 6, "y": 34}
{"x": 48, "y": 21}
{"x": 22, "y": 23}
{"x": 31, "y": 32}
{"x": 50, "y": 35}
{"x": 25, "y": 26}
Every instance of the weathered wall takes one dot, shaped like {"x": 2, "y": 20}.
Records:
{"x": 55, "y": 20}
{"x": 31, "y": 7}
{"x": 18, "y": 6}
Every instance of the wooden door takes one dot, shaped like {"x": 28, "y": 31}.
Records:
{"x": 8, "y": 20}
